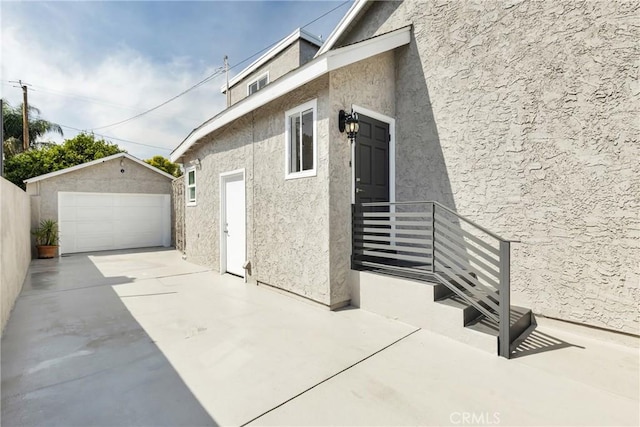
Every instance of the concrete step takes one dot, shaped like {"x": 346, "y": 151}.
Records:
{"x": 416, "y": 298}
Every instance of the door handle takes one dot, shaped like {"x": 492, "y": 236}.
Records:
{"x": 359, "y": 190}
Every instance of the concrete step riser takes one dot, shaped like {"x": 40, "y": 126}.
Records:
{"x": 430, "y": 306}
{"x": 415, "y": 302}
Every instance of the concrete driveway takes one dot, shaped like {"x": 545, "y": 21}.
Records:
{"x": 145, "y": 338}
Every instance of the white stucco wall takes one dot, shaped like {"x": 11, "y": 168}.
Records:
{"x": 523, "y": 116}
{"x": 287, "y": 220}
{"x": 369, "y": 84}
{"x": 100, "y": 178}
{"x": 15, "y": 251}
{"x": 295, "y": 55}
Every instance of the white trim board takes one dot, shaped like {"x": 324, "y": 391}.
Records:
{"x": 279, "y": 47}
{"x": 343, "y": 25}
{"x": 318, "y": 67}
{"x": 95, "y": 162}
{"x": 223, "y": 247}
{"x": 310, "y": 105}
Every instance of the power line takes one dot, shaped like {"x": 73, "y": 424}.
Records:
{"x": 216, "y": 73}
{"x": 97, "y": 101}
{"x": 278, "y": 41}
{"x": 117, "y": 139}
{"x": 200, "y": 83}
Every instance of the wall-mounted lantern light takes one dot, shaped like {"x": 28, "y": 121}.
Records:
{"x": 348, "y": 122}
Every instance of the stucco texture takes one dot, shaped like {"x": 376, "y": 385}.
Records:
{"x": 369, "y": 84}
{"x": 287, "y": 220}
{"x": 100, "y": 178}
{"x": 523, "y": 116}
{"x": 15, "y": 250}
{"x": 295, "y": 55}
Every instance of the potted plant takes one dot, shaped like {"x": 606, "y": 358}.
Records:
{"x": 46, "y": 238}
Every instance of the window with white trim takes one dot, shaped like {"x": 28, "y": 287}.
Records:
{"x": 191, "y": 186}
{"x": 301, "y": 141}
{"x": 257, "y": 84}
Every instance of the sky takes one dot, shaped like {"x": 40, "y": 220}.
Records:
{"x": 89, "y": 65}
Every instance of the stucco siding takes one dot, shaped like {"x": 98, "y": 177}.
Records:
{"x": 100, "y": 178}
{"x": 307, "y": 51}
{"x": 287, "y": 220}
{"x": 523, "y": 116}
{"x": 284, "y": 62}
{"x": 230, "y": 151}
{"x": 369, "y": 84}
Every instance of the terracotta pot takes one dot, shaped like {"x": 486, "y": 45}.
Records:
{"x": 46, "y": 251}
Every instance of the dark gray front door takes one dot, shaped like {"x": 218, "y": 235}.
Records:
{"x": 372, "y": 161}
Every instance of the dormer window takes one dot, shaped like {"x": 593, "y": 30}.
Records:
{"x": 257, "y": 84}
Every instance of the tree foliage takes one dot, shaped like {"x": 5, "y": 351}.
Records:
{"x": 52, "y": 157}
{"x": 12, "y": 126}
{"x": 165, "y": 165}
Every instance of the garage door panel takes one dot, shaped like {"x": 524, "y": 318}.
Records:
{"x": 95, "y": 244}
{"x": 92, "y": 228}
{"x": 66, "y": 213}
{"x": 138, "y": 228}
{"x": 139, "y": 212}
{"x": 144, "y": 239}
{"x": 94, "y": 214}
{"x": 139, "y": 201}
{"x": 94, "y": 200}
{"x": 93, "y": 222}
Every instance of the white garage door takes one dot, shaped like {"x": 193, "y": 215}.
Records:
{"x": 107, "y": 221}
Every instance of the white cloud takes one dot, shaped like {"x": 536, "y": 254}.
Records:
{"x": 121, "y": 84}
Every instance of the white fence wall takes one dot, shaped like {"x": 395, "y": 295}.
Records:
{"x": 15, "y": 245}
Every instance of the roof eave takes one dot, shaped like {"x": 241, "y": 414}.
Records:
{"x": 95, "y": 162}
{"x": 319, "y": 66}
{"x": 299, "y": 33}
{"x": 342, "y": 26}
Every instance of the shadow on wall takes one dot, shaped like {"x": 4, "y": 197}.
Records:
{"x": 420, "y": 165}
{"x": 73, "y": 350}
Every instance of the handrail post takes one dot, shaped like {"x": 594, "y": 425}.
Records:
{"x": 505, "y": 299}
{"x": 353, "y": 235}
{"x": 433, "y": 237}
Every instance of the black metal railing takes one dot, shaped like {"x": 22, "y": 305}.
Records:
{"x": 431, "y": 241}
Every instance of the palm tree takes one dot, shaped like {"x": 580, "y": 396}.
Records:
{"x": 12, "y": 126}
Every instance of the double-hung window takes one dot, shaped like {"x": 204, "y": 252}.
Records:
{"x": 258, "y": 84}
{"x": 301, "y": 141}
{"x": 191, "y": 186}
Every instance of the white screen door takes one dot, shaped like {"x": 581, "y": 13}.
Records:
{"x": 233, "y": 223}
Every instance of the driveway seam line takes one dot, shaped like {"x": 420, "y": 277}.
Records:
{"x": 37, "y": 292}
{"x": 330, "y": 377}
{"x": 45, "y": 292}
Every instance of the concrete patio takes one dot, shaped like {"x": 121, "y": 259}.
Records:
{"x": 146, "y": 338}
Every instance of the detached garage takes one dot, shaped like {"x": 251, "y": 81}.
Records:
{"x": 117, "y": 202}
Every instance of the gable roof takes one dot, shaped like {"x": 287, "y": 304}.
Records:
{"x": 318, "y": 67}
{"x": 95, "y": 162}
{"x": 271, "y": 53}
{"x": 344, "y": 24}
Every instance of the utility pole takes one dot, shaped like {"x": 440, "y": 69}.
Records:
{"x": 25, "y": 117}
{"x": 226, "y": 69}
